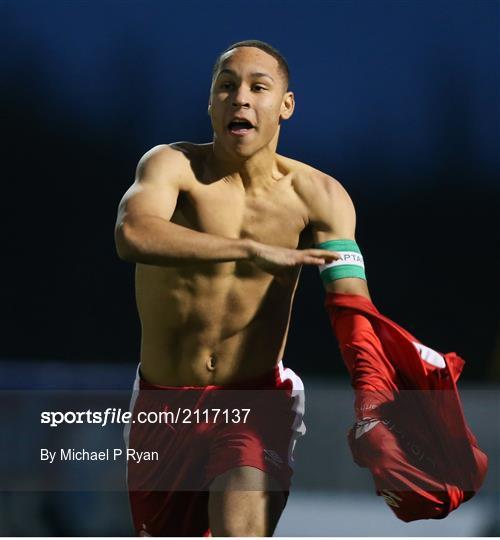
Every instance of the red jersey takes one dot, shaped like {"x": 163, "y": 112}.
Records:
{"x": 410, "y": 429}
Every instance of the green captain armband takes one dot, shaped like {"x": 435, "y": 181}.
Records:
{"x": 350, "y": 265}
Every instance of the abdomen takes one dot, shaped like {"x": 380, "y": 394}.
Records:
{"x": 188, "y": 315}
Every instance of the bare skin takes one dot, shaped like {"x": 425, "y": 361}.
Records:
{"x": 219, "y": 233}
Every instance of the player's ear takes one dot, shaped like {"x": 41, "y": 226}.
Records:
{"x": 209, "y": 105}
{"x": 287, "y": 106}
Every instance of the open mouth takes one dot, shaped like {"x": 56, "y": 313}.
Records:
{"x": 240, "y": 127}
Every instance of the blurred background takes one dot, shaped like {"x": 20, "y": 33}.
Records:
{"x": 399, "y": 100}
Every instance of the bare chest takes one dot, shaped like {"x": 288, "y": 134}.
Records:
{"x": 275, "y": 217}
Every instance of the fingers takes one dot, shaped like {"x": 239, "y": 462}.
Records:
{"x": 323, "y": 254}
{"x": 296, "y": 257}
{"x": 318, "y": 257}
{"x": 313, "y": 260}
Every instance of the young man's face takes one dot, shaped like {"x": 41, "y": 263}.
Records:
{"x": 248, "y": 86}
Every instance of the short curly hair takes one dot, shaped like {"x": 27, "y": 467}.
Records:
{"x": 263, "y": 46}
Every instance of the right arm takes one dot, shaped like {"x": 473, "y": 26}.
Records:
{"x": 145, "y": 234}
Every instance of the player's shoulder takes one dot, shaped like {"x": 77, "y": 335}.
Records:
{"x": 168, "y": 161}
{"x": 163, "y": 155}
{"x": 313, "y": 184}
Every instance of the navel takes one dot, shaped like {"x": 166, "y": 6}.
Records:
{"x": 211, "y": 362}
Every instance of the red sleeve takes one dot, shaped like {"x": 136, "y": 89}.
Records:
{"x": 373, "y": 377}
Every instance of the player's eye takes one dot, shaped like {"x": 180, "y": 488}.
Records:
{"x": 226, "y": 85}
{"x": 259, "y": 87}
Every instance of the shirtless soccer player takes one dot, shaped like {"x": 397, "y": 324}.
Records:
{"x": 219, "y": 233}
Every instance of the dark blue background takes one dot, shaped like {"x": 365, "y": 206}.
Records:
{"x": 398, "y": 100}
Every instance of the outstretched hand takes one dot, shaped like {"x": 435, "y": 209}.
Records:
{"x": 272, "y": 259}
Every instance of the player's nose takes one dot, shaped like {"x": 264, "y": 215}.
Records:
{"x": 240, "y": 98}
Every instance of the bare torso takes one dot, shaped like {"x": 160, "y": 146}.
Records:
{"x": 218, "y": 323}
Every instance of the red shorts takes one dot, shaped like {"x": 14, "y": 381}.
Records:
{"x": 202, "y": 433}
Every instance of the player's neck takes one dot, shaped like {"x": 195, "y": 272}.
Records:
{"x": 258, "y": 171}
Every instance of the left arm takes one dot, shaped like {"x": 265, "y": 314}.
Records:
{"x": 333, "y": 218}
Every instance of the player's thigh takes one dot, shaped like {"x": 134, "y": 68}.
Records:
{"x": 245, "y": 501}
